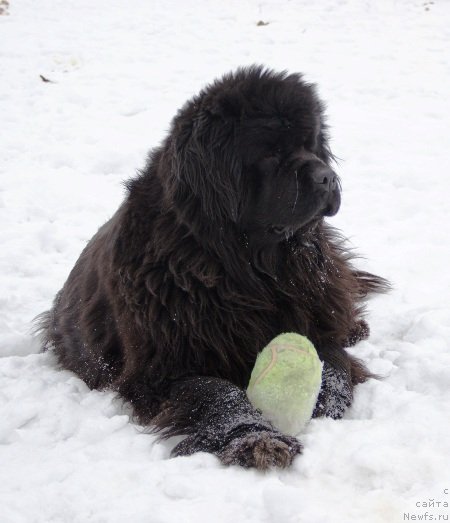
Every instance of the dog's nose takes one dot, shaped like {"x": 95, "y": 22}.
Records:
{"x": 324, "y": 176}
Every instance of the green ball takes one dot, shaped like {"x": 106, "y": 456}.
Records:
{"x": 285, "y": 382}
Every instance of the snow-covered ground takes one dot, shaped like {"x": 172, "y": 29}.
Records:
{"x": 118, "y": 72}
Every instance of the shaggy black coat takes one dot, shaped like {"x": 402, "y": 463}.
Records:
{"x": 173, "y": 298}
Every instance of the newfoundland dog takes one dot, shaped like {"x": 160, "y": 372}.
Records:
{"x": 219, "y": 245}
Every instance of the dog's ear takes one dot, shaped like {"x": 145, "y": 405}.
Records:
{"x": 206, "y": 166}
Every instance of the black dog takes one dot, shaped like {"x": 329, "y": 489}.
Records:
{"x": 219, "y": 246}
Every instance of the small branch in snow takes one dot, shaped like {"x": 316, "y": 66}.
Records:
{"x": 46, "y": 80}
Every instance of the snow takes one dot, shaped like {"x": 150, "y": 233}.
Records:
{"x": 118, "y": 71}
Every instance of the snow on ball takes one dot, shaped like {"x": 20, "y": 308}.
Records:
{"x": 285, "y": 382}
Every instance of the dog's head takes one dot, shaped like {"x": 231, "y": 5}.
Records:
{"x": 252, "y": 149}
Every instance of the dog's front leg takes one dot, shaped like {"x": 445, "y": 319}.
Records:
{"x": 217, "y": 417}
{"x": 336, "y": 393}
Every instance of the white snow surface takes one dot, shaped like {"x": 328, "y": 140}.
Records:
{"x": 119, "y": 71}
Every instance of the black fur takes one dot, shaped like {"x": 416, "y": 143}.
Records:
{"x": 219, "y": 246}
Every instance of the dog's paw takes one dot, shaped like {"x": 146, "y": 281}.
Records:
{"x": 261, "y": 450}
{"x": 335, "y": 395}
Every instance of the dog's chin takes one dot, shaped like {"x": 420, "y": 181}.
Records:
{"x": 267, "y": 239}
{"x": 284, "y": 233}
{"x": 308, "y": 225}
{"x": 262, "y": 236}
{"x": 304, "y": 226}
